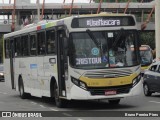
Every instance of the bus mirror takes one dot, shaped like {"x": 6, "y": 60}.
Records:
{"x": 65, "y": 40}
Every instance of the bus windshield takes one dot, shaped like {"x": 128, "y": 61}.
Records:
{"x": 146, "y": 57}
{"x": 108, "y": 49}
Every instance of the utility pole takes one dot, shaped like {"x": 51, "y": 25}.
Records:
{"x": 70, "y": 11}
{"x": 42, "y": 9}
{"x": 127, "y": 6}
{"x": 38, "y": 11}
{"x": 157, "y": 28}
{"x": 13, "y": 16}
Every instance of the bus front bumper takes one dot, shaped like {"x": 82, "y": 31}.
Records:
{"x": 78, "y": 93}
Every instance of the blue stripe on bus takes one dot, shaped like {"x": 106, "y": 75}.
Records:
{"x": 33, "y": 66}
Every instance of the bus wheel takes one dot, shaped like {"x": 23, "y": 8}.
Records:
{"x": 23, "y": 95}
{"x": 60, "y": 103}
{"x": 146, "y": 90}
{"x": 114, "y": 102}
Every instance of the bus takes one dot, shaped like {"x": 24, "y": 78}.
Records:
{"x": 83, "y": 57}
{"x": 146, "y": 57}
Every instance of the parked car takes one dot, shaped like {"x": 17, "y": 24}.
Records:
{"x": 1, "y": 72}
{"x": 151, "y": 79}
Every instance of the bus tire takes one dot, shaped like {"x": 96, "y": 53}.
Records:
{"x": 114, "y": 102}
{"x": 146, "y": 90}
{"x": 60, "y": 103}
{"x": 23, "y": 95}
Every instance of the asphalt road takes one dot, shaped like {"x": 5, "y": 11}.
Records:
{"x": 79, "y": 110}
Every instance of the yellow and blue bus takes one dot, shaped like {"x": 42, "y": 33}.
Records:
{"x": 84, "y": 57}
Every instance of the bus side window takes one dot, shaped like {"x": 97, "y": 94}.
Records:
{"x": 7, "y": 48}
{"x": 18, "y": 47}
{"x": 50, "y": 41}
{"x": 33, "y": 44}
{"x": 41, "y": 43}
{"x": 25, "y": 45}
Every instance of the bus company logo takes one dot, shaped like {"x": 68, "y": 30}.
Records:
{"x": 6, "y": 114}
{"x": 21, "y": 114}
{"x": 95, "y": 51}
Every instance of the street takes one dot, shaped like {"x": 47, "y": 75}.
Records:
{"x": 10, "y": 101}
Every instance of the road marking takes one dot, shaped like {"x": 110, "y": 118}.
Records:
{"x": 53, "y": 109}
{"x": 154, "y": 102}
{"x": 3, "y": 93}
{"x": 34, "y": 103}
{"x": 42, "y": 106}
{"x": 79, "y": 119}
{"x": 66, "y": 114}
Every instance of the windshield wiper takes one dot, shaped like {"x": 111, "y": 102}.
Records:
{"x": 93, "y": 38}
{"x": 120, "y": 34}
{"x": 98, "y": 44}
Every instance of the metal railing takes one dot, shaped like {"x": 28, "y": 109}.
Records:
{"x": 139, "y": 19}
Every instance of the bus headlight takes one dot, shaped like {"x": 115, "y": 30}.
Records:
{"x": 1, "y": 74}
{"x": 79, "y": 83}
{"x": 136, "y": 80}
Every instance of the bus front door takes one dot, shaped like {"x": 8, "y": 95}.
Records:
{"x": 12, "y": 60}
{"x": 62, "y": 61}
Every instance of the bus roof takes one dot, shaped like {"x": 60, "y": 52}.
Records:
{"x": 50, "y": 23}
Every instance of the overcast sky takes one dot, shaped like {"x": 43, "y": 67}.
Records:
{"x": 52, "y": 1}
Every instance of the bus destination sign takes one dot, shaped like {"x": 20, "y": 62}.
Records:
{"x": 107, "y": 21}
{"x": 101, "y": 22}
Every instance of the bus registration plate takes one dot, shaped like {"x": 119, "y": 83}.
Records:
{"x": 110, "y": 92}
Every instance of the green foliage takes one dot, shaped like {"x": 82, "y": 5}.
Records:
{"x": 148, "y": 38}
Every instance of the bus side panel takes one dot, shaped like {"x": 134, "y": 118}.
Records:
{"x": 40, "y": 76}
{"x": 50, "y": 70}
{"x": 7, "y": 73}
{"x": 32, "y": 63}
{"x": 22, "y": 69}
{"x": 16, "y": 71}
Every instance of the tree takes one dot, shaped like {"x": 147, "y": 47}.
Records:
{"x": 148, "y": 38}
